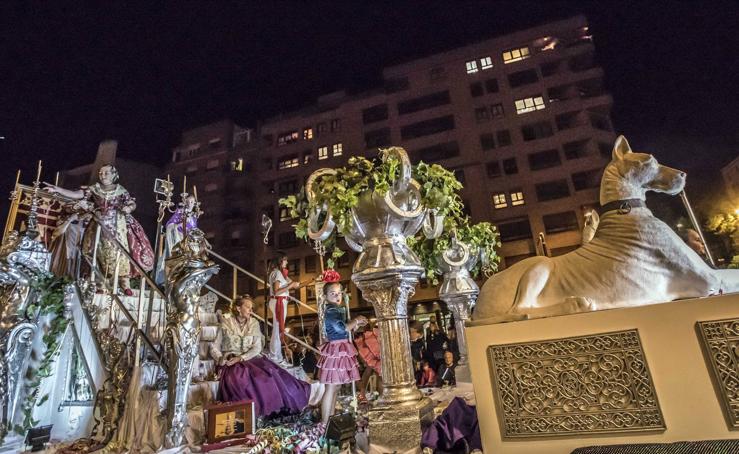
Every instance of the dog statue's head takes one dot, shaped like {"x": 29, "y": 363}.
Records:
{"x": 630, "y": 175}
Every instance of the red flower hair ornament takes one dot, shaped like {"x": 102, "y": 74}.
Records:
{"x": 330, "y": 276}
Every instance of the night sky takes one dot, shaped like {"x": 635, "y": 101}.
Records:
{"x": 72, "y": 76}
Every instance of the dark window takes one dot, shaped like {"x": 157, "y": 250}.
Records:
{"x": 482, "y": 114}
{"x": 561, "y": 93}
{"x": 377, "y": 138}
{"x": 424, "y": 102}
{"x": 586, "y": 180}
{"x": 293, "y": 267}
{"x": 575, "y": 150}
{"x": 268, "y": 211}
{"x": 510, "y": 167}
{"x": 605, "y": 150}
{"x": 396, "y": 84}
{"x": 476, "y": 89}
{"x": 536, "y": 131}
{"x": 521, "y": 78}
{"x": 566, "y": 121}
{"x": 335, "y": 125}
{"x": 552, "y": 190}
{"x": 560, "y": 222}
{"x": 343, "y": 262}
{"x": 550, "y": 69}
{"x": 287, "y": 240}
{"x": 438, "y": 152}
{"x": 600, "y": 121}
{"x": 215, "y": 144}
{"x": 374, "y": 114}
{"x": 427, "y": 127}
{"x": 544, "y": 159}
{"x": 321, "y": 128}
{"x": 496, "y": 111}
{"x": 466, "y": 208}
{"x": 459, "y": 175}
{"x": 515, "y": 229}
{"x": 493, "y": 169}
{"x": 504, "y": 138}
{"x": 487, "y": 141}
{"x": 287, "y": 187}
{"x": 310, "y": 264}
{"x": 437, "y": 73}
{"x": 491, "y": 85}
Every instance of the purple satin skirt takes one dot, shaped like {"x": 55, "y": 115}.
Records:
{"x": 269, "y": 386}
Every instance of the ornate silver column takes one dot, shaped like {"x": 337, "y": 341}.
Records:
{"x": 459, "y": 291}
{"x": 386, "y": 273}
{"x": 186, "y": 272}
{"x": 22, "y": 259}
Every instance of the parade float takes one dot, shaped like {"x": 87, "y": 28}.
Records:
{"x": 113, "y": 351}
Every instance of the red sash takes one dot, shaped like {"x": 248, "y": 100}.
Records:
{"x": 279, "y": 310}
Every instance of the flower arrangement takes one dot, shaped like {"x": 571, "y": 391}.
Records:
{"x": 341, "y": 190}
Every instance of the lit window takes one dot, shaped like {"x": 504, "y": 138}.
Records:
{"x": 212, "y": 164}
{"x": 486, "y": 63}
{"x": 516, "y": 198}
{"x": 307, "y": 133}
{"x": 288, "y": 163}
{"x": 322, "y": 152}
{"x": 286, "y": 138}
{"x": 237, "y": 165}
{"x": 210, "y": 187}
{"x": 499, "y": 200}
{"x": 514, "y": 55}
{"x": 529, "y": 104}
{"x": 338, "y": 149}
{"x": 284, "y": 214}
{"x": 471, "y": 67}
{"x": 306, "y": 158}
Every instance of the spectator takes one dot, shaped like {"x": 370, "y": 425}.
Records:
{"x": 418, "y": 348}
{"x": 445, "y": 373}
{"x": 428, "y": 376}
{"x": 452, "y": 345}
{"x": 435, "y": 341}
{"x": 309, "y": 358}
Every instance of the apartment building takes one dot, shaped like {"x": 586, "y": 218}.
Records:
{"x": 215, "y": 159}
{"x": 522, "y": 119}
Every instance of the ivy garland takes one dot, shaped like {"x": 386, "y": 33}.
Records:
{"x": 50, "y": 291}
{"x": 341, "y": 191}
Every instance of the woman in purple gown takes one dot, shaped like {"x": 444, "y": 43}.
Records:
{"x": 246, "y": 374}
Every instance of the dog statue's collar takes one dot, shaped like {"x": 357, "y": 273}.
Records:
{"x": 622, "y": 206}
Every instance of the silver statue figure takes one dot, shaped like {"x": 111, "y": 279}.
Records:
{"x": 186, "y": 271}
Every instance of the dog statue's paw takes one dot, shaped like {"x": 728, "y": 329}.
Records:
{"x": 577, "y": 304}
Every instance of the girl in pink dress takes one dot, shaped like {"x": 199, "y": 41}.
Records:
{"x": 338, "y": 363}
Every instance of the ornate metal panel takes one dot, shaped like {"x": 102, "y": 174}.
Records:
{"x": 574, "y": 386}
{"x": 721, "y": 344}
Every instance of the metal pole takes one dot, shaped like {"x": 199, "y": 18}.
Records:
{"x": 694, "y": 220}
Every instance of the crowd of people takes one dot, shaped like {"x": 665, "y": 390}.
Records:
{"x": 434, "y": 354}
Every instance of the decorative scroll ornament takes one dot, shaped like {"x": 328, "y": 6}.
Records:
{"x": 22, "y": 260}
{"x": 720, "y": 340}
{"x": 574, "y": 386}
{"x": 186, "y": 271}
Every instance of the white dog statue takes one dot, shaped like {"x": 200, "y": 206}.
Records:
{"x": 633, "y": 258}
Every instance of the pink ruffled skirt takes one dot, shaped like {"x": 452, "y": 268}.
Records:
{"x": 338, "y": 363}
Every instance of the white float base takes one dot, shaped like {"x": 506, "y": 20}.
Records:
{"x": 687, "y": 396}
